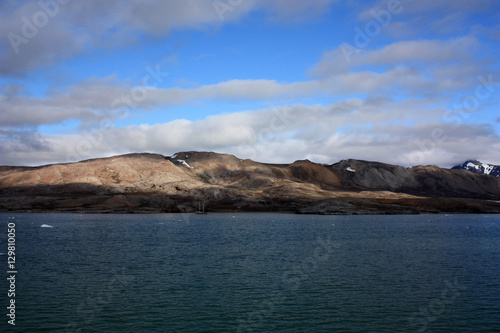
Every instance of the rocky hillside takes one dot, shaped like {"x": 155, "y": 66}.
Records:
{"x": 429, "y": 181}
{"x": 157, "y": 183}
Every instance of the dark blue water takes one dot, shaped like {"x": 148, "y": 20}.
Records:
{"x": 253, "y": 272}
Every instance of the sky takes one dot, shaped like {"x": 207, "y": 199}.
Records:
{"x": 402, "y": 82}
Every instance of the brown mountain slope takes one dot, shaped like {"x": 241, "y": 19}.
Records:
{"x": 156, "y": 183}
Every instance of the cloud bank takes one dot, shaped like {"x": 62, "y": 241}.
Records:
{"x": 410, "y": 92}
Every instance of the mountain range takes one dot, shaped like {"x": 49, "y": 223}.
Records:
{"x": 153, "y": 183}
{"x": 480, "y": 168}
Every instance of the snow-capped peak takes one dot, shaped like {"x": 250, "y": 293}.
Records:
{"x": 479, "y": 167}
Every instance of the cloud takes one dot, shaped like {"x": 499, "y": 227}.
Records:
{"x": 345, "y": 57}
{"x": 296, "y": 10}
{"x": 440, "y": 8}
{"x": 95, "y": 99}
{"x": 390, "y": 96}
{"x": 43, "y": 33}
{"x": 439, "y": 17}
{"x": 31, "y": 38}
{"x": 404, "y": 133}
{"x": 91, "y": 100}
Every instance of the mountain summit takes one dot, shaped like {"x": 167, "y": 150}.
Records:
{"x": 479, "y": 168}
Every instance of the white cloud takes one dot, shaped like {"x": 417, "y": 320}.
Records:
{"x": 343, "y": 58}
{"x": 43, "y": 35}
{"x": 436, "y": 17}
{"x": 405, "y": 133}
{"x": 88, "y": 101}
{"x": 390, "y": 98}
{"x": 96, "y": 99}
{"x": 439, "y": 7}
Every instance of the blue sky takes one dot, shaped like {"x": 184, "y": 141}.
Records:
{"x": 403, "y": 82}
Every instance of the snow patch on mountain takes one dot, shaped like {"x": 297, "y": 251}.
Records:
{"x": 480, "y": 168}
{"x": 184, "y": 163}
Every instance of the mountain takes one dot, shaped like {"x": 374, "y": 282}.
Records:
{"x": 142, "y": 183}
{"x": 480, "y": 168}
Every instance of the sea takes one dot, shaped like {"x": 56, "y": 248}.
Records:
{"x": 249, "y": 272}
